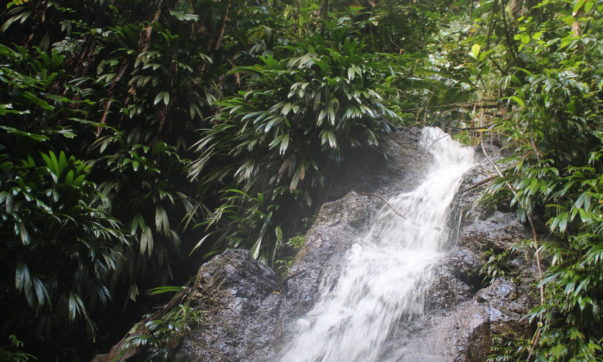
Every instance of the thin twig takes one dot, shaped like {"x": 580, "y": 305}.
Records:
{"x": 478, "y": 104}
{"x": 218, "y": 44}
{"x": 510, "y": 44}
{"x": 468, "y": 128}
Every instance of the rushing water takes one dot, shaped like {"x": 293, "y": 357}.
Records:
{"x": 387, "y": 272}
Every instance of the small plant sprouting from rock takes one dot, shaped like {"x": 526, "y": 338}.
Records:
{"x": 14, "y": 354}
{"x": 496, "y": 266}
{"x": 159, "y": 334}
{"x": 291, "y": 247}
{"x": 507, "y": 347}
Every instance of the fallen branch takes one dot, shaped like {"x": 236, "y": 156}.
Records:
{"x": 283, "y": 284}
{"x": 398, "y": 212}
{"x": 478, "y": 184}
{"x": 386, "y": 202}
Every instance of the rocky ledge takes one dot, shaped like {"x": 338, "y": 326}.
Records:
{"x": 247, "y": 312}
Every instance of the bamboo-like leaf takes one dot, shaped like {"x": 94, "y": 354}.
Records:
{"x": 331, "y": 110}
{"x": 62, "y": 163}
{"x": 78, "y": 181}
{"x": 298, "y": 176}
{"x": 199, "y": 243}
{"x": 165, "y": 96}
{"x": 146, "y": 241}
{"x": 278, "y": 232}
{"x": 33, "y": 136}
{"x": 22, "y": 277}
{"x": 8, "y": 203}
{"x": 23, "y": 234}
{"x": 162, "y": 223}
{"x": 54, "y": 166}
{"x": 255, "y": 249}
{"x": 75, "y": 306}
{"x": 286, "y": 108}
{"x": 321, "y": 116}
{"x": 143, "y": 242}
{"x": 41, "y": 292}
{"x": 327, "y": 136}
{"x": 519, "y": 101}
{"x": 284, "y": 144}
{"x": 165, "y": 289}
{"x": 137, "y": 222}
{"x": 69, "y": 177}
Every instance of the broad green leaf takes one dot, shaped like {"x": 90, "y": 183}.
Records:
{"x": 475, "y": 49}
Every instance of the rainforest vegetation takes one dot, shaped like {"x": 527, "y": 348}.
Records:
{"x": 139, "y": 138}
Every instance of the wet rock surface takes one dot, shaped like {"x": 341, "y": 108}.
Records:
{"x": 247, "y": 314}
{"x": 232, "y": 290}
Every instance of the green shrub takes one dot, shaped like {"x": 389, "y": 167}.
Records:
{"x": 284, "y": 135}
{"x": 557, "y": 132}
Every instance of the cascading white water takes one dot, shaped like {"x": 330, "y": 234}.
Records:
{"x": 387, "y": 273}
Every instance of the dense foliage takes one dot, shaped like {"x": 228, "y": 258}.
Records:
{"x": 301, "y": 113}
{"x": 549, "y": 57}
{"x": 140, "y": 137}
{"x": 135, "y": 133}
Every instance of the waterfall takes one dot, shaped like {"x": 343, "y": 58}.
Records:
{"x": 386, "y": 272}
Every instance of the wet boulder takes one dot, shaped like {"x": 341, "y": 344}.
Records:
{"x": 231, "y": 290}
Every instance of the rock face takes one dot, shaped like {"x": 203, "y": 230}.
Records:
{"x": 231, "y": 290}
{"x": 247, "y": 315}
